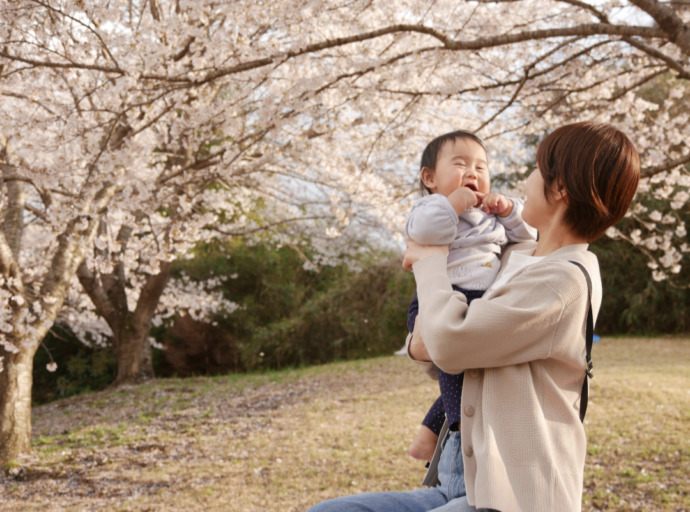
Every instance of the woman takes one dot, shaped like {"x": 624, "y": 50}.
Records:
{"x": 522, "y": 345}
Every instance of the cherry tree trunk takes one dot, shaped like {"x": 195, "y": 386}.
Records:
{"x": 133, "y": 351}
{"x": 16, "y": 380}
{"x": 132, "y": 347}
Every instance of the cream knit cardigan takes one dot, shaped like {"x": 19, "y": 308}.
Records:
{"x": 522, "y": 348}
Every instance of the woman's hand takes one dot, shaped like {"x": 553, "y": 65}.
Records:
{"x": 417, "y": 349}
{"x": 415, "y": 252}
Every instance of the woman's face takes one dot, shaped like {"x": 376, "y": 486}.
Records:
{"x": 537, "y": 208}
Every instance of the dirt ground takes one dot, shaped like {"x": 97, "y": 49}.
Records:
{"x": 285, "y": 441}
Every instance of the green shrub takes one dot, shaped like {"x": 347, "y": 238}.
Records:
{"x": 80, "y": 368}
{"x": 289, "y": 315}
{"x": 362, "y": 315}
{"x": 633, "y": 302}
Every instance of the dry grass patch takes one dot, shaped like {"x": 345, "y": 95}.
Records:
{"x": 638, "y": 424}
{"x": 287, "y": 440}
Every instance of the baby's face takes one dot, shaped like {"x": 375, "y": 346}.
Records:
{"x": 461, "y": 163}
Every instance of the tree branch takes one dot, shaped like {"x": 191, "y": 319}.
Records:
{"x": 60, "y": 65}
{"x": 265, "y": 227}
{"x": 151, "y": 292}
{"x": 447, "y": 42}
{"x": 657, "y": 54}
{"x": 651, "y": 171}
{"x": 585, "y": 30}
{"x": 114, "y": 283}
{"x": 93, "y": 288}
{"x": 79, "y": 22}
{"x": 589, "y": 8}
{"x": 72, "y": 247}
{"x": 8, "y": 264}
{"x": 637, "y": 84}
{"x": 669, "y": 21}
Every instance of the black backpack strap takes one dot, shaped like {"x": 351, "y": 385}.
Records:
{"x": 589, "y": 338}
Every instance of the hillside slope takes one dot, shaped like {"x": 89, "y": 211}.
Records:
{"x": 287, "y": 440}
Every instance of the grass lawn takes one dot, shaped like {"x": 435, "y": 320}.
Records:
{"x": 286, "y": 440}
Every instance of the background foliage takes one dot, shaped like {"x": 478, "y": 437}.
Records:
{"x": 632, "y": 303}
{"x": 81, "y": 368}
{"x": 291, "y": 316}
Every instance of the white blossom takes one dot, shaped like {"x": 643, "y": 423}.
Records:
{"x": 659, "y": 275}
{"x": 655, "y": 216}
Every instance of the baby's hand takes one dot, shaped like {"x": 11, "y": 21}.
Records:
{"x": 497, "y": 204}
{"x": 463, "y": 198}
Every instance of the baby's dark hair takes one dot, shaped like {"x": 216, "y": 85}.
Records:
{"x": 430, "y": 153}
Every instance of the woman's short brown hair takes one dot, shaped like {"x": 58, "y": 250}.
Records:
{"x": 599, "y": 169}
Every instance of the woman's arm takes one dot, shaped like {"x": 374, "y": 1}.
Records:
{"x": 415, "y": 252}
{"x": 518, "y": 324}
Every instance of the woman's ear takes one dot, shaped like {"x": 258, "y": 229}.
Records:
{"x": 427, "y": 177}
{"x": 560, "y": 193}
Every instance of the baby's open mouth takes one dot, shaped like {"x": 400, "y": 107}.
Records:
{"x": 472, "y": 186}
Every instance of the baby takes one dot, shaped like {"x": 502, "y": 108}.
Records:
{"x": 459, "y": 209}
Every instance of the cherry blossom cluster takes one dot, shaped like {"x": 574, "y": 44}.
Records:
{"x": 133, "y": 130}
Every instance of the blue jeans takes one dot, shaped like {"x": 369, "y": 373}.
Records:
{"x": 448, "y": 496}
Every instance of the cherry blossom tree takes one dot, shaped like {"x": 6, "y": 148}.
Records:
{"x": 133, "y": 129}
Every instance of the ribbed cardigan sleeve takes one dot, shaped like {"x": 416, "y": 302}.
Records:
{"x": 517, "y": 325}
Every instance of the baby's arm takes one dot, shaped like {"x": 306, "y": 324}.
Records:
{"x": 432, "y": 221}
{"x": 517, "y": 229}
